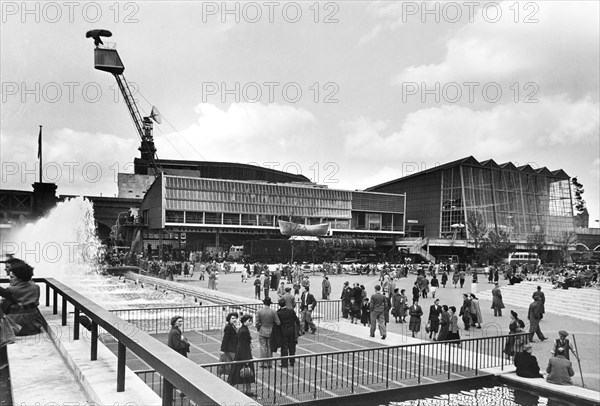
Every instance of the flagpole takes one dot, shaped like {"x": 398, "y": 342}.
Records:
{"x": 40, "y": 151}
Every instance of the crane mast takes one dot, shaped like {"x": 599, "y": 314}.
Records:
{"x": 107, "y": 59}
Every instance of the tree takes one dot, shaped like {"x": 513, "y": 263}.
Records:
{"x": 578, "y": 202}
{"x": 537, "y": 241}
{"x": 495, "y": 247}
{"x": 564, "y": 241}
{"x": 477, "y": 228}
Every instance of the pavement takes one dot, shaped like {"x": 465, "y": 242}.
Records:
{"x": 587, "y": 332}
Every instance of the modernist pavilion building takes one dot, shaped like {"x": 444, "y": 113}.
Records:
{"x": 521, "y": 201}
{"x": 209, "y": 211}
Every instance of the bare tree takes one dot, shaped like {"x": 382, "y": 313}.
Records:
{"x": 477, "y": 228}
{"x": 564, "y": 241}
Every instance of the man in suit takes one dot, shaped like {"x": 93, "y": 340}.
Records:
{"x": 290, "y": 300}
{"x": 307, "y": 305}
{"x": 497, "y": 303}
{"x": 290, "y": 327}
{"x": 377, "y": 309}
{"x": 534, "y": 316}
{"x": 434, "y": 318}
{"x": 542, "y": 296}
{"x": 266, "y": 318}
{"x": 346, "y": 295}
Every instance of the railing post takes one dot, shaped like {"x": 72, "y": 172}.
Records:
{"x": 503, "y": 346}
{"x": 76, "y": 324}
{"x": 54, "y": 301}
{"x": 121, "y": 354}
{"x": 94, "y": 343}
{"x": 275, "y": 383}
{"x": 47, "y": 295}
{"x": 449, "y": 354}
{"x": 387, "y": 368}
{"x": 315, "y": 380}
{"x": 64, "y": 311}
{"x": 419, "y": 376}
{"x": 353, "y": 364}
{"x": 167, "y": 393}
{"x": 477, "y": 358}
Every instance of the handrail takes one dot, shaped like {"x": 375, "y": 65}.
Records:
{"x": 177, "y": 370}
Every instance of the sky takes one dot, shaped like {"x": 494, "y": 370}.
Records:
{"x": 351, "y": 94}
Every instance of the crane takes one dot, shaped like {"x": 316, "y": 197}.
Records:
{"x": 107, "y": 59}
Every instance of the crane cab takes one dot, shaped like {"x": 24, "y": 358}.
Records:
{"x": 107, "y": 58}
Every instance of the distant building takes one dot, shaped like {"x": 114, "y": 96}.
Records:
{"x": 525, "y": 203}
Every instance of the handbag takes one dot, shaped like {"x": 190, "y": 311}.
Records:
{"x": 224, "y": 369}
{"x": 246, "y": 373}
{"x": 428, "y": 327}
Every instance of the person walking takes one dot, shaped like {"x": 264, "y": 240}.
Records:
{"x": 397, "y": 306}
{"x": 228, "y": 343}
{"x": 266, "y": 318}
{"x": 243, "y": 353}
{"x": 534, "y": 316}
{"x": 346, "y": 295}
{"x": 455, "y": 278}
{"x": 435, "y": 310}
{"x": 290, "y": 329}
{"x": 444, "y": 278}
{"x": 497, "y": 303}
{"x": 462, "y": 276}
{"x": 307, "y": 305}
{"x": 435, "y": 284}
{"x": 415, "y": 312}
{"x": 542, "y": 300}
{"x": 465, "y": 311}
{"x": 290, "y": 300}
{"x": 453, "y": 326}
{"x": 257, "y": 287}
{"x": 476, "y": 317}
{"x": 564, "y": 343}
{"x": 176, "y": 340}
{"x": 416, "y": 292}
{"x": 377, "y": 309}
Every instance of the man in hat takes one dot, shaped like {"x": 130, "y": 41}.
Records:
{"x": 266, "y": 318}
{"x": 560, "y": 369}
{"x": 325, "y": 287}
{"x": 542, "y": 296}
{"x": 346, "y": 295}
{"x": 564, "y": 343}
{"x": 526, "y": 363}
{"x": 534, "y": 316}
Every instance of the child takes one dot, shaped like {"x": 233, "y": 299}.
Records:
{"x": 354, "y": 311}
{"x": 365, "y": 318}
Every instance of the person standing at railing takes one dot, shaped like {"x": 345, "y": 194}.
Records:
{"x": 266, "y": 318}
{"x": 243, "y": 353}
{"x": 229, "y": 343}
{"x": 290, "y": 330}
{"x": 176, "y": 339}
{"x": 415, "y": 312}
{"x": 23, "y": 307}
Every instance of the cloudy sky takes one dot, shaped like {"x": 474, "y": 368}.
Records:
{"x": 349, "y": 93}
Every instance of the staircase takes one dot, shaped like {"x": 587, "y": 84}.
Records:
{"x": 582, "y": 304}
{"x": 415, "y": 246}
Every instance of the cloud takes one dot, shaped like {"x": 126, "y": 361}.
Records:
{"x": 244, "y": 132}
{"x": 80, "y": 163}
{"x": 449, "y": 132}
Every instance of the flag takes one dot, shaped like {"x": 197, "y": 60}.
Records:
{"x": 40, "y": 143}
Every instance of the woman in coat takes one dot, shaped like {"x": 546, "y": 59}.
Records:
{"x": 444, "y": 324}
{"x": 243, "y": 352}
{"x": 453, "y": 327}
{"x": 513, "y": 345}
{"x": 176, "y": 339}
{"x": 476, "y": 317}
{"x": 415, "y": 312}
{"x": 229, "y": 343}
{"x": 444, "y": 278}
{"x": 397, "y": 305}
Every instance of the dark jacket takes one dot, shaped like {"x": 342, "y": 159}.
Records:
{"x": 244, "y": 352}
{"x": 307, "y": 300}
{"x": 230, "y": 339}
{"x": 527, "y": 365}
{"x": 175, "y": 342}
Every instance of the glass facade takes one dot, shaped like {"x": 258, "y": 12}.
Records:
{"x": 520, "y": 202}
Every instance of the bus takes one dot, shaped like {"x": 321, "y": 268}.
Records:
{"x": 515, "y": 258}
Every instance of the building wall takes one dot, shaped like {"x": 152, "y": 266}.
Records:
{"x": 133, "y": 186}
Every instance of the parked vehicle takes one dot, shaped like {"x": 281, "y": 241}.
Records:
{"x": 523, "y": 258}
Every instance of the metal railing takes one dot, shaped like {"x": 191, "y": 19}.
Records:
{"x": 212, "y": 317}
{"x": 175, "y": 370}
{"x": 327, "y": 375}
